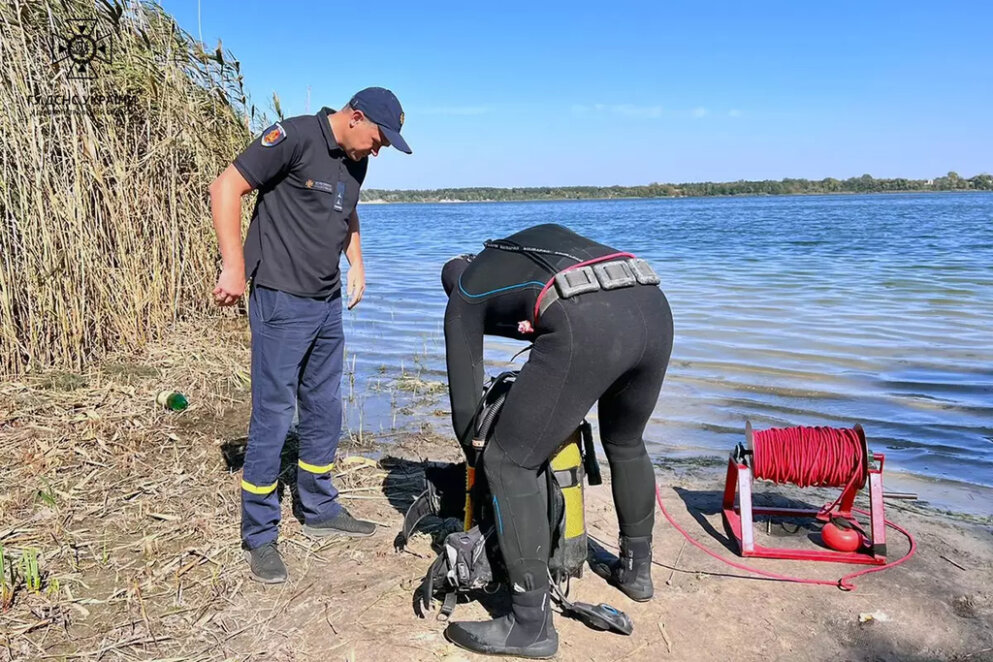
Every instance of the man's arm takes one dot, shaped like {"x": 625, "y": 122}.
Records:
{"x": 464, "y": 357}
{"x": 225, "y": 205}
{"x": 356, "y": 269}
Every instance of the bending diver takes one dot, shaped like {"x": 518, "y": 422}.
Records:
{"x": 601, "y": 333}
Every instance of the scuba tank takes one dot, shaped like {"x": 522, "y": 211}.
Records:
{"x": 566, "y": 510}
{"x": 563, "y": 487}
{"x": 470, "y": 559}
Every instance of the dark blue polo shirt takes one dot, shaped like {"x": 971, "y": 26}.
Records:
{"x": 307, "y": 189}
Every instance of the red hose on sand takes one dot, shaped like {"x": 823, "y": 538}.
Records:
{"x": 843, "y": 583}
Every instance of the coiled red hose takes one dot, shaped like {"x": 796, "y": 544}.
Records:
{"x": 809, "y": 457}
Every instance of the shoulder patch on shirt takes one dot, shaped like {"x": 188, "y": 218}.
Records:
{"x": 273, "y": 135}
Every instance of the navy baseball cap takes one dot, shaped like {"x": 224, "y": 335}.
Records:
{"x": 382, "y": 108}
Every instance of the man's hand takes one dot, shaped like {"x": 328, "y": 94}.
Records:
{"x": 225, "y": 206}
{"x": 230, "y": 287}
{"x": 356, "y": 285}
{"x": 356, "y": 268}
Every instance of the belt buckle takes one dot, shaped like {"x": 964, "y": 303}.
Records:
{"x": 576, "y": 281}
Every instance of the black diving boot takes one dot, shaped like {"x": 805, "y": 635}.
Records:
{"x": 527, "y": 631}
{"x": 632, "y": 573}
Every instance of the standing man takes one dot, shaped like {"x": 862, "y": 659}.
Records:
{"x": 308, "y": 171}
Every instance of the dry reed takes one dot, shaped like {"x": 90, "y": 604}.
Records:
{"x": 105, "y": 228}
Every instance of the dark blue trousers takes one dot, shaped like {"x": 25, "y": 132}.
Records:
{"x": 297, "y": 352}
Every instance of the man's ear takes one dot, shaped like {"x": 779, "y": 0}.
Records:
{"x": 355, "y": 118}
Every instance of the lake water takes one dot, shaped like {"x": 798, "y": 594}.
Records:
{"x": 816, "y": 310}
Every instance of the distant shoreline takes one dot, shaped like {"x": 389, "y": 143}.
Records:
{"x": 828, "y": 186}
{"x": 380, "y": 201}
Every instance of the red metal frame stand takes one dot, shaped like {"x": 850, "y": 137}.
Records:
{"x": 740, "y": 518}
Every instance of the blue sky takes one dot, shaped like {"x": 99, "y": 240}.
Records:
{"x": 602, "y": 93}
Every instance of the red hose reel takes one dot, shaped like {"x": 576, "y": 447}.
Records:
{"x": 823, "y": 457}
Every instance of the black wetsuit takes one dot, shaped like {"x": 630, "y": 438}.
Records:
{"x": 607, "y": 346}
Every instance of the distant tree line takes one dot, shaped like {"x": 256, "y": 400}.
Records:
{"x": 864, "y": 184}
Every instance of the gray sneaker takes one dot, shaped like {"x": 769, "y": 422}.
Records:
{"x": 266, "y": 565}
{"x": 343, "y": 524}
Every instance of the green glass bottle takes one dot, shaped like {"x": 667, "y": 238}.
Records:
{"x": 172, "y": 400}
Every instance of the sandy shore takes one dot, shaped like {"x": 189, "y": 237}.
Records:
{"x": 132, "y": 513}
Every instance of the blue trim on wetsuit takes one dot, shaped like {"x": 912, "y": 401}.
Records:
{"x": 496, "y": 508}
{"x": 502, "y": 289}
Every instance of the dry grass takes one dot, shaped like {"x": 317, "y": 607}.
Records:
{"x": 104, "y": 223}
{"x": 132, "y": 511}
{"x": 110, "y": 492}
